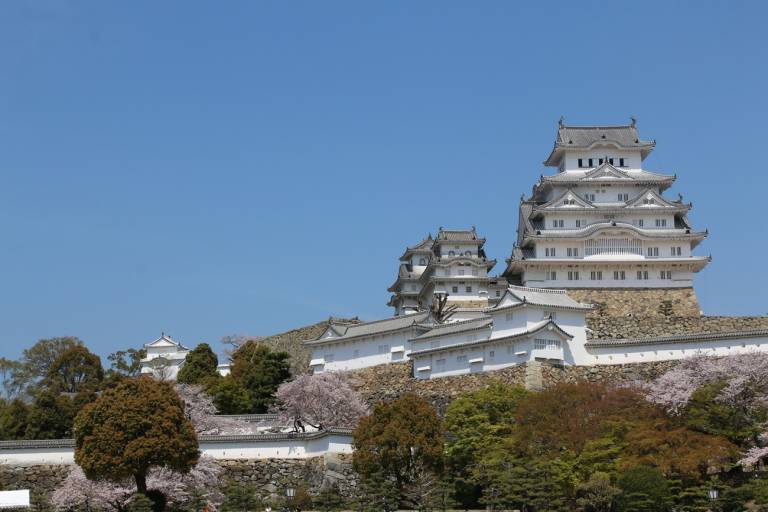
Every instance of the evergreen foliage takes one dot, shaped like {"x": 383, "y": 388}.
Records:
{"x": 328, "y": 499}
{"x": 199, "y": 366}
{"x": 644, "y": 489}
{"x": 241, "y": 498}
{"x": 75, "y": 370}
{"x": 256, "y": 374}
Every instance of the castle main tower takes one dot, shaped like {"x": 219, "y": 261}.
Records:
{"x": 601, "y": 226}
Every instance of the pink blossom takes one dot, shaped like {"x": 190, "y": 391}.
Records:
{"x": 77, "y": 492}
{"x": 321, "y": 400}
{"x": 202, "y": 411}
{"x": 745, "y": 386}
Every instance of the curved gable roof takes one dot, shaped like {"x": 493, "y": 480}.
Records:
{"x": 587, "y": 137}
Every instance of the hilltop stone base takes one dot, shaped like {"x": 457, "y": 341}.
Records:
{"x": 639, "y": 302}
{"x": 388, "y": 382}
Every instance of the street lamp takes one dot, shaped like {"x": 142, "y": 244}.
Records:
{"x": 290, "y": 492}
{"x": 713, "y": 494}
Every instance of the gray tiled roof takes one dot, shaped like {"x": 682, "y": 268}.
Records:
{"x": 545, "y": 297}
{"x": 458, "y": 235}
{"x": 457, "y": 346}
{"x": 376, "y": 327}
{"x": 582, "y": 137}
{"x": 681, "y": 338}
{"x": 70, "y": 443}
{"x": 456, "y": 327}
{"x": 576, "y": 176}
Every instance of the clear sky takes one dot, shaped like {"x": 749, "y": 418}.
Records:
{"x": 213, "y": 168}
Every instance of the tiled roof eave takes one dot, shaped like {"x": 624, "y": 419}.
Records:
{"x": 560, "y": 307}
{"x": 415, "y": 318}
{"x": 612, "y": 209}
{"x": 683, "y": 338}
{"x": 70, "y": 443}
{"x": 485, "y": 323}
{"x": 470, "y": 344}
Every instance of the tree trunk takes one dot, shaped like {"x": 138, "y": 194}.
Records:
{"x": 141, "y": 482}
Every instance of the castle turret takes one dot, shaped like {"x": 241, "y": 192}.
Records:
{"x": 452, "y": 264}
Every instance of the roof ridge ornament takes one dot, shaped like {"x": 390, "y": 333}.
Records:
{"x": 634, "y": 120}
{"x": 561, "y": 122}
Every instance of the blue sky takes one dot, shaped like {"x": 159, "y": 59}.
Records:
{"x": 212, "y": 168}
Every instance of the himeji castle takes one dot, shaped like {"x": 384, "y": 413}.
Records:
{"x": 598, "y": 237}
{"x": 601, "y": 221}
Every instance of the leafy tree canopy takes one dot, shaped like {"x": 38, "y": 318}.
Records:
{"x": 400, "y": 439}
{"x": 135, "y": 426}
{"x": 125, "y": 363}
{"x": 76, "y": 369}
{"x": 36, "y": 360}
{"x": 199, "y": 366}
{"x": 644, "y": 489}
{"x": 256, "y": 374}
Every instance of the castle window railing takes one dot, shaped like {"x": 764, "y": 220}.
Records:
{"x": 612, "y": 247}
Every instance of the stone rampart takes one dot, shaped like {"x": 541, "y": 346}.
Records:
{"x": 639, "y": 302}
{"x": 610, "y": 327}
{"x": 270, "y": 476}
{"x": 388, "y": 382}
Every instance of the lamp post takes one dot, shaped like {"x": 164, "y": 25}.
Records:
{"x": 290, "y": 493}
{"x": 713, "y": 495}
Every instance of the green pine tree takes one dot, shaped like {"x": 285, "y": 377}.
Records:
{"x": 241, "y": 498}
{"x": 329, "y": 499}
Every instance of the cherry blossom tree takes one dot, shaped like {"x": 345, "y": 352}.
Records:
{"x": 202, "y": 412}
{"x": 78, "y": 493}
{"x": 321, "y": 400}
{"x": 744, "y": 381}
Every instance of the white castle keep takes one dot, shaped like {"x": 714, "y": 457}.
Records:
{"x": 600, "y": 223}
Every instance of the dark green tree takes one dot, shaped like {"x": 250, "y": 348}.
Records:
{"x": 259, "y": 371}
{"x": 644, "y": 489}
{"x": 76, "y": 369}
{"x": 378, "y": 492}
{"x": 199, "y": 366}
{"x": 707, "y": 413}
{"x": 13, "y": 419}
{"x": 329, "y": 499}
{"x": 50, "y": 416}
{"x": 230, "y": 396}
{"x": 140, "y": 503}
{"x": 598, "y": 494}
{"x": 241, "y": 498}
{"x": 476, "y": 423}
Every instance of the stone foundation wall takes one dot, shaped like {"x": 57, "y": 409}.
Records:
{"x": 388, "y": 382}
{"x": 648, "y": 327}
{"x": 271, "y": 477}
{"x": 639, "y": 302}
{"x": 41, "y": 480}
